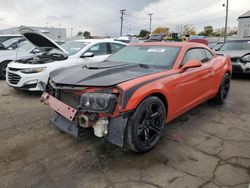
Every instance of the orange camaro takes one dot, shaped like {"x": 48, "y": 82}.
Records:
{"x": 129, "y": 97}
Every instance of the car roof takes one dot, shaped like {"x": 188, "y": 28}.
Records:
{"x": 11, "y": 35}
{"x": 238, "y": 40}
{"x": 94, "y": 40}
{"x": 177, "y": 44}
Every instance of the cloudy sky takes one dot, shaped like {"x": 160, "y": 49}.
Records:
{"x": 102, "y": 17}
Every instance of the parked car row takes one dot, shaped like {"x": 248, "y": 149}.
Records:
{"x": 126, "y": 97}
{"x": 41, "y": 55}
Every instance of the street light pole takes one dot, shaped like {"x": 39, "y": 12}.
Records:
{"x": 122, "y": 13}
{"x": 150, "y": 21}
{"x": 225, "y": 30}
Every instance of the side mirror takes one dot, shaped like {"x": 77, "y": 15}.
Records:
{"x": 245, "y": 58}
{"x": 191, "y": 64}
{"x": 88, "y": 54}
{"x": 36, "y": 51}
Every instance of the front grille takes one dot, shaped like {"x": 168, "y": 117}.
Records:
{"x": 237, "y": 68}
{"x": 13, "y": 78}
{"x": 234, "y": 59}
{"x": 69, "y": 98}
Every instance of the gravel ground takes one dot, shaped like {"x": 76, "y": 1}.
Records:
{"x": 207, "y": 147}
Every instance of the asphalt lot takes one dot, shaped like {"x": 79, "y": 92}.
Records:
{"x": 206, "y": 147}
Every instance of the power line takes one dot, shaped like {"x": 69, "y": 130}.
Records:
{"x": 102, "y": 23}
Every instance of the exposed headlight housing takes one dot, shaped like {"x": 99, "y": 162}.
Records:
{"x": 98, "y": 102}
{"x": 33, "y": 70}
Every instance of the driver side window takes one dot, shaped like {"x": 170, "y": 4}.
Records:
{"x": 99, "y": 49}
{"x": 195, "y": 53}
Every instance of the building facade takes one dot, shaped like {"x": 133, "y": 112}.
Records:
{"x": 56, "y": 34}
{"x": 244, "y": 26}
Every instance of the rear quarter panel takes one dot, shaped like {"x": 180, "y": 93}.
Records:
{"x": 221, "y": 65}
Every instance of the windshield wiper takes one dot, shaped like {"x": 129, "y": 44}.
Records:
{"x": 144, "y": 65}
{"x": 57, "y": 54}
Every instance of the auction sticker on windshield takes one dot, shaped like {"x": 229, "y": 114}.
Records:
{"x": 156, "y": 50}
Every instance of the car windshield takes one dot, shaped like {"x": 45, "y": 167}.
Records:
{"x": 5, "y": 38}
{"x": 155, "y": 56}
{"x": 25, "y": 46}
{"x": 236, "y": 45}
{"x": 9, "y": 42}
{"x": 72, "y": 47}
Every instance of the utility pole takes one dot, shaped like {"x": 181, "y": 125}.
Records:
{"x": 122, "y": 14}
{"x": 150, "y": 21}
{"x": 71, "y": 32}
{"x": 225, "y": 30}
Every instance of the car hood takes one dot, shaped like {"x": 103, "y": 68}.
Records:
{"x": 40, "y": 40}
{"x": 100, "y": 74}
{"x": 233, "y": 53}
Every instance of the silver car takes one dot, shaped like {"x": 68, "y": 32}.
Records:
{"x": 236, "y": 49}
{"x": 24, "y": 51}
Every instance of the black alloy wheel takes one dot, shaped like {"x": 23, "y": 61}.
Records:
{"x": 223, "y": 92}
{"x": 3, "y": 67}
{"x": 146, "y": 124}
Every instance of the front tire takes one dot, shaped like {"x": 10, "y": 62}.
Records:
{"x": 145, "y": 125}
{"x": 223, "y": 92}
{"x": 3, "y": 67}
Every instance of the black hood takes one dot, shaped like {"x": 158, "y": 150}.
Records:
{"x": 100, "y": 74}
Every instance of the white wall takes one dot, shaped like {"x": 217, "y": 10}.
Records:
{"x": 243, "y": 28}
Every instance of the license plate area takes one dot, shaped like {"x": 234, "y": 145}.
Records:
{"x": 65, "y": 110}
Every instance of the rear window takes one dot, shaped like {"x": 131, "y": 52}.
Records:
{"x": 236, "y": 45}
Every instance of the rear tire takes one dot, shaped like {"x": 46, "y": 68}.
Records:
{"x": 145, "y": 125}
{"x": 3, "y": 67}
{"x": 223, "y": 92}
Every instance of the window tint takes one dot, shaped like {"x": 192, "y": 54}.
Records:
{"x": 99, "y": 49}
{"x": 196, "y": 53}
{"x": 116, "y": 47}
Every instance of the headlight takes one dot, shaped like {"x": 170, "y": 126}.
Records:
{"x": 98, "y": 102}
{"x": 33, "y": 70}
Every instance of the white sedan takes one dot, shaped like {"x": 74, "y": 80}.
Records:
{"x": 27, "y": 73}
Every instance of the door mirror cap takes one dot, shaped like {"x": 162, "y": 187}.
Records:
{"x": 193, "y": 63}
{"x": 88, "y": 54}
{"x": 36, "y": 51}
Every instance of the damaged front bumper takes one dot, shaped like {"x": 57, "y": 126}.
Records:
{"x": 67, "y": 120}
